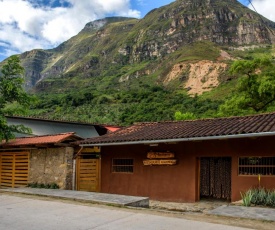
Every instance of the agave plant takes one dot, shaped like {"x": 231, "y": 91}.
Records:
{"x": 270, "y": 199}
{"x": 247, "y": 197}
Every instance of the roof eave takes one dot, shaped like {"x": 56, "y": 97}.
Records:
{"x": 249, "y": 135}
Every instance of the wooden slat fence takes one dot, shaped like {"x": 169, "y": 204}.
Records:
{"x": 14, "y": 169}
{"x": 88, "y": 175}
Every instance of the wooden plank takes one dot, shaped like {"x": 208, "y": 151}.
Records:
{"x": 25, "y": 175}
{"x": 21, "y": 168}
{"x": 14, "y": 169}
{"x": 91, "y": 150}
{"x": 87, "y": 174}
{"x": 88, "y": 180}
{"x": 88, "y": 165}
{"x": 7, "y": 168}
{"x": 88, "y": 161}
{"x": 88, "y": 187}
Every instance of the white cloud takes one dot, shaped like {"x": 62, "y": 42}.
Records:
{"x": 28, "y": 24}
{"x": 265, "y": 8}
{"x": 15, "y": 41}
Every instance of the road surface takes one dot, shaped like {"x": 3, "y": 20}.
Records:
{"x": 20, "y": 213}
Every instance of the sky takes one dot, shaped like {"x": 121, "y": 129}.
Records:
{"x": 35, "y": 24}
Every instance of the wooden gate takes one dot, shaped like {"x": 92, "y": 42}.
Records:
{"x": 88, "y": 171}
{"x": 14, "y": 169}
{"x": 215, "y": 177}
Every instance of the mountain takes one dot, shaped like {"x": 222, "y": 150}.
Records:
{"x": 183, "y": 47}
{"x": 129, "y": 48}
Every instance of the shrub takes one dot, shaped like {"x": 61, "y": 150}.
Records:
{"x": 270, "y": 198}
{"x": 259, "y": 196}
{"x": 247, "y": 197}
{"x": 41, "y": 185}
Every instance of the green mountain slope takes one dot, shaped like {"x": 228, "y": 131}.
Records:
{"x": 121, "y": 70}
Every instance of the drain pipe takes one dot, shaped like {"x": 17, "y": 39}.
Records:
{"x": 73, "y": 184}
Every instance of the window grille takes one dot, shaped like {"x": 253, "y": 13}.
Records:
{"x": 257, "y": 166}
{"x": 123, "y": 165}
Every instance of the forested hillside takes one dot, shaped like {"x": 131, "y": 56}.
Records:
{"x": 176, "y": 59}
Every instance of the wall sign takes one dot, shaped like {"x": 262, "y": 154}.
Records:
{"x": 160, "y": 158}
{"x": 160, "y": 155}
{"x": 160, "y": 162}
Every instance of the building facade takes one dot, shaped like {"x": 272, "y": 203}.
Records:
{"x": 189, "y": 160}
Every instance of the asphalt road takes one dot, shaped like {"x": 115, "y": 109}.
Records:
{"x": 19, "y": 213}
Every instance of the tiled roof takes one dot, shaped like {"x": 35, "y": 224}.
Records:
{"x": 45, "y": 139}
{"x": 173, "y": 130}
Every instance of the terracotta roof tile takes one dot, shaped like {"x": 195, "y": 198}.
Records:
{"x": 189, "y": 129}
{"x": 45, "y": 139}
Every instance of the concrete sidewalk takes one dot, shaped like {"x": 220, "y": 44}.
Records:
{"x": 245, "y": 212}
{"x": 92, "y": 197}
{"x": 134, "y": 201}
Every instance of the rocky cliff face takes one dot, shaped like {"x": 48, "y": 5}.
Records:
{"x": 125, "y": 48}
{"x": 185, "y": 21}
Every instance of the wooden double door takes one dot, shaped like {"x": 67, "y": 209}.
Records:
{"x": 88, "y": 174}
{"x": 215, "y": 177}
{"x": 14, "y": 169}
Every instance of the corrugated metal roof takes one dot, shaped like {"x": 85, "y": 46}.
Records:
{"x": 63, "y": 121}
{"x": 216, "y": 127}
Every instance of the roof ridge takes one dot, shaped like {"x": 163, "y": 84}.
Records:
{"x": 203, "y": 119}
{"x": 213, "y": 128}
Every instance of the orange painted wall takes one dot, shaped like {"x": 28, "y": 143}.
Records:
{"x": 180, "y": 182}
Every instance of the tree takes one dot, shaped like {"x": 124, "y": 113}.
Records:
{"x": 12, "y": 97}
{"x": 184, "y": 116}
{"x": 255, "y": 91}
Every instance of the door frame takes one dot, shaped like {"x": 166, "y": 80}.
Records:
{"x": 198, "y": 175}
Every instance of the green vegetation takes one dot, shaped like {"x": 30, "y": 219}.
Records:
{"x": 259, "y": 196}
{"x": 184, "y": 116}
{"x": 256, "y": 87}
{"x": 149, "y": 103}
{"x": 141, "y": 98}
{"x": 13, "y": 98}
{"x": 41, "y": 185}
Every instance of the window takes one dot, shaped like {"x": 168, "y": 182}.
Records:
{"x": 257, "y": 165}
{"x": 123, "y": 165}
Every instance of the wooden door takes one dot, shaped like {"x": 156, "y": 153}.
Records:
{"x": 14, "y": 169}
{"x": 88, "y": 172}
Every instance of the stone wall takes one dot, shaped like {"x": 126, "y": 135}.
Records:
{"x": 52, "y": 165}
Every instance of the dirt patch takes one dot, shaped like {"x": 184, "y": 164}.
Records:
{"x": 225, "y": 56}
{"x": 202, "y": 76}
{"x": 199, "y": 207}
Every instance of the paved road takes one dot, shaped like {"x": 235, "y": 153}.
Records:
{"x": 17, "y": 213}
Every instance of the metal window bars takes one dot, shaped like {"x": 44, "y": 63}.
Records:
{"x": 257, "y": 166}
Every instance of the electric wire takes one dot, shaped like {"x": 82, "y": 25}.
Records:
{"x": 261, "y": 17}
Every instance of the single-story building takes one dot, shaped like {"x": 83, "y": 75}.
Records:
{"x": 48, "y": 155}
{"x": 186, "y": 161}
{"x": 42, "y": 159}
